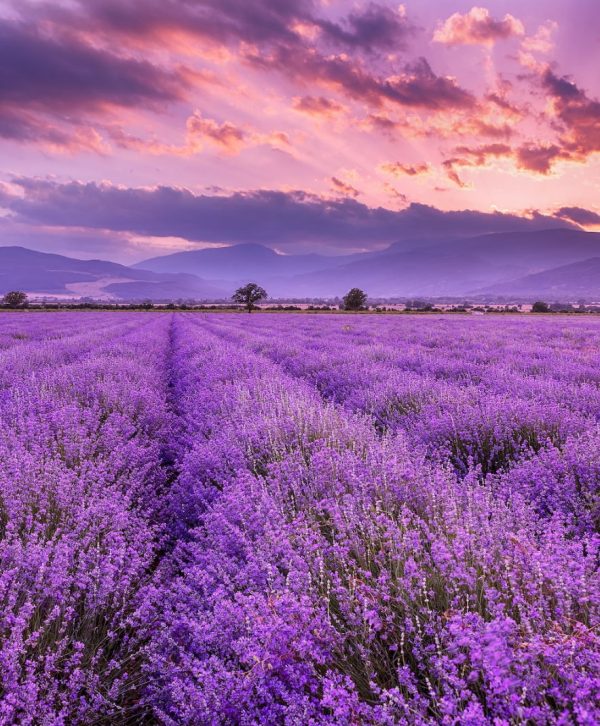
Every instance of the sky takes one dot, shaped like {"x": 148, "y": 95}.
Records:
{"x": 133, "y": 128}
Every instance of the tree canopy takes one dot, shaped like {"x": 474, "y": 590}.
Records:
{"x": 355, "y": 299}
{"x": 15, "y": 299}
{"x": 249, "y": 295}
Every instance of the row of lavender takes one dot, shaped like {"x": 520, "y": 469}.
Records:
{"x": 327, "y": 569}
{"x": 286, "y": 519}
{"x": 482, "y": 395}
{"x": 83, "y": 413}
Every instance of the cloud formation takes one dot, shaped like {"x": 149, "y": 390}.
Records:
{"x": 415, "y": 86}
{"x": 477, "y": 27}
{"x": 578, "y": 114}
{"x": 395, "y": 168}
{"x": 294, "y": 220}
{"x": 377, "y": 27}
{"x": 51, "y": 85}
{"x": 583, "y": 217}
{"x": 318, "y": 106}
{"x": 292, "y": 94}
{"x": 343, "y": 188}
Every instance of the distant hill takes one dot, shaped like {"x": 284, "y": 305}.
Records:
{"x": 49, "y": 274}
{"x": 241, "y": 262}
{"x": 580, "y": 279}
{"x": 454, "y": 267}
{"x": 457, "y": 267}
{"x": 557, "y": 263}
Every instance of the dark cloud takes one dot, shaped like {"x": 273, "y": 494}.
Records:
{"x": 50, "y": 85}
{"x": 560, "y": 87}
{"x": 417, "y": 86}
{"x": 538, "y": 158}
{"x": 21, "y": 126}
{"x": 479, "y": 155}
{"x": 346, "y": 190}
{"x": 274, "y": 40}
{"x": 289, "y": 219}
{"x": 467, "y": 156}
{"x": 578, "y": 114}
{"x": 228, "y": 22}
{"x": 216, "y": 21}
{"x": 70, "y": 69}
{"x": 377, "y": 27}
{"x": 578, "y": 215}
{"x": 64, "y": 75}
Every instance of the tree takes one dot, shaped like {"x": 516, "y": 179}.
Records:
{"x": 356, "y": 299}
{"x": 249, "y": 295}
{"x": 540, "y": 307}
{"x": 15, "y": 299}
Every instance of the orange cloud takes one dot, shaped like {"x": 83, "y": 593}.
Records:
{"x": 226, "y": 136}
{"x": 318, "y": 106}
{"x": 579, "y": 114}
{"x": 346, "y": 190}
{"x": 397, "y": 169}
{"x": 477, "y": 27}
{"x": 473, "y": 157}
{"x": 538, "y": 158}
{"x": 543, "y": 40}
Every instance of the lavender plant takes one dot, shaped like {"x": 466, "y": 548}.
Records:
{"x": 295, "y": 519}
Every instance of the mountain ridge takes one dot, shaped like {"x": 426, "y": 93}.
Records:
{"x": 496, "y": 264}
{"x": 47, "y": 273}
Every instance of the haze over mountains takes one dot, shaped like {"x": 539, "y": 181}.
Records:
{"x": 462, "y": 266}
{"x": 556, "y": 264}
{"x": 41, "y": 273}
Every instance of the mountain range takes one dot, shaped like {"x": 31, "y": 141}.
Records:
{"x": 557, "y": 264}
{"x": 42, "y": 273}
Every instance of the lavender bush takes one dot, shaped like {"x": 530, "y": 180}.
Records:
{"x": 299, "y": 520}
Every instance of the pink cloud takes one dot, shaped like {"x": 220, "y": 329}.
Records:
{"x": 397, "y": 169}
{"x": 346, "y": 190}
{"x": 318, "y": 106}
{"x": 538, "y": 158}
{"x": 225, "y": 136}
{"x": 477, "y": 27}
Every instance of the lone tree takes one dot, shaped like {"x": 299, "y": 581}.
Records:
{"x": 540, "y": 307}
{"x": 249, "y": 295}
{"x": 356, "y": 299}
{"x": 15, "y": 299}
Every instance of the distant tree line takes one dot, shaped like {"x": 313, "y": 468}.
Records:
{"x": 248, "y": 297}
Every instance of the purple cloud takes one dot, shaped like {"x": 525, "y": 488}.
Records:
{"x": 377, "y": 27}
{"x": 417, "y": 87}
{"x": 61, "y": 75}
{"x": 578, "y": 215}
{"x": 53, "y": 87}
{"x": 284, "y": 219}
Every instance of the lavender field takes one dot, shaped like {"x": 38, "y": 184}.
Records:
{"x": 279, "y": 519}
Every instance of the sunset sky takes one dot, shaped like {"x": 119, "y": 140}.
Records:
{"x": 135, "y": 128}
